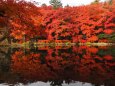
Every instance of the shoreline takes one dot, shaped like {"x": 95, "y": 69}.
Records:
{"x": 56, "y": 44}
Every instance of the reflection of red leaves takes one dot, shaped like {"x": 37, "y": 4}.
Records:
{"x": 93, "y": 50}
{"x": 87, "y": 56}
{"x": 81, "y": 59}
{"x": 108, "y": 57}
{"x": 103, "y": 40}
{"x": 99, "y": 58}
{"x": 103, "y": 47}
{"x": 83, "y": 41}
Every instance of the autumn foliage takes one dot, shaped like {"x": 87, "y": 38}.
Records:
{"x": 78, "y": 24}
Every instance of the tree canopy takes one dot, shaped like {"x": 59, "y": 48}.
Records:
{"x": 55, "y": 3}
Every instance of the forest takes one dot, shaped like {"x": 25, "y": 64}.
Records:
{"x": 57, "y": 45}
{"x": 22, "y": 21}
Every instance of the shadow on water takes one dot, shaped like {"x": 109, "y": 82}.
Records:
{"x": 56, "y": 66}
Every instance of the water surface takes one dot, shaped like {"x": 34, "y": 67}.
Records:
{"x": 59, "y": 66}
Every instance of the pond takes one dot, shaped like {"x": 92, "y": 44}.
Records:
{"x": 59, "y": 66}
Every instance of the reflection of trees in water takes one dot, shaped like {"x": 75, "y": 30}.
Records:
{"x": 82, "y": 63}
{"x": 60, "y": 82}
{"x": 56, "y": 83}
{"x": 4, "y": 60}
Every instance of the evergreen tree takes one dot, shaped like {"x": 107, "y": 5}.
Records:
{"x": 55, "y": 3}
{"x": 43, "y": 5}
{"x": 110, "y": 2}
{"x": 67, "y": 5}
{"x": 96, "y": 2}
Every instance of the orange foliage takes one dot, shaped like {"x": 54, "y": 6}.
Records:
{"x": 79, "y": 24}
{"x": 93, "y": 39}
{"x": 108, "y": 31}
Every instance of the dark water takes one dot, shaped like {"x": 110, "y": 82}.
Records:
{"x": 72, "y": 66}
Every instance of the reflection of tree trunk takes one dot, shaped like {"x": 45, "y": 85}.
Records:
{"x": 31, "y": 44}
{"x": 9, "y": 40}
{"x": 3, "y": 38}
{"x": 3, "y": 52}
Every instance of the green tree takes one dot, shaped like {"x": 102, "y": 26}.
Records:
{"x": 110, "y": 2}
{"x": 96, "y": 2}
{"x": 55, "y": 3}
{"x": 67, "y": 5}
{"x": 43, "y": 5}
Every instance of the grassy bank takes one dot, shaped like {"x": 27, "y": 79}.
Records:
{"x": 27, "y": 45}
{"x": 97, "y": 44}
